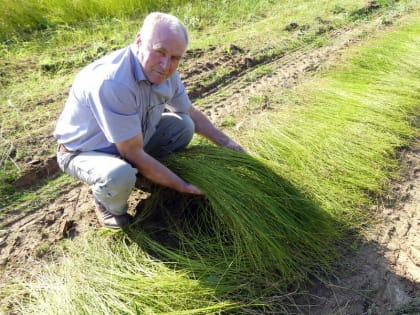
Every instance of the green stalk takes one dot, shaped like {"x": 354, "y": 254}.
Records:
{"x": 257, "y": 219}
{"x": 108, "y": 274}
{"x": 341, "y": 149}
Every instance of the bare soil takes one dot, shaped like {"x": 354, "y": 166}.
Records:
{"x": 381, "y": 276}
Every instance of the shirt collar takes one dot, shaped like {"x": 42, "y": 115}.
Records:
{"x": 138, "y": 69}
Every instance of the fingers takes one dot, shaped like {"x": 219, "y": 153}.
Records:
{"x": 234, "y": 146}
{"x": 191, "y": 189}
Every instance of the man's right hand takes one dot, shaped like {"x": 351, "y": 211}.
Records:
{"x": 191, "y": 189}
{"x": 233, "y": 146}
{"x": 132, "y": 151}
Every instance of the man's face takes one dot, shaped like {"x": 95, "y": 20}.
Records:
{"x": 160, "y": 53}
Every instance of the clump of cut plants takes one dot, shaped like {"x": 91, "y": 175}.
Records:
{"x": 251, "y": 220}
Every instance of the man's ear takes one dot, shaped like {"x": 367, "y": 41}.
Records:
{"x": 138, "y": 39}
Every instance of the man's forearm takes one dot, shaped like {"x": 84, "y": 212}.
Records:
{"x": 204, "y": 127}
{"x": 131, "y": 150}
{"x": 159, "y": 173}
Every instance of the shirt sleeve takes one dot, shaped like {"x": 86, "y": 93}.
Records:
{"x": 115, "y": 110}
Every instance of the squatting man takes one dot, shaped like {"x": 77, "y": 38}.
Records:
{"x": 127, "y": 110}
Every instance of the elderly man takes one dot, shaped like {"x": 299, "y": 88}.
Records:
{"x": 126, "y": 110}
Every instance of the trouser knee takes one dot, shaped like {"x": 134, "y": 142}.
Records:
{"x": 186, "y": 132}
{"x": 174, "y": 132}
{"x": 114, "y": 189}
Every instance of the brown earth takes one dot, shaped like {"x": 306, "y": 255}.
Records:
{"x": 381, "y": 277}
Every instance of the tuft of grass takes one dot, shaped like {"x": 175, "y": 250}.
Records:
{"x": 259, "y": 72}
{"x": 109, "y": 274}
{"x": 228, "y": 122}
{"x": 257, "y": 219}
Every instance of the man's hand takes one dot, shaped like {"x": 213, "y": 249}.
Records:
{"x": 233, "y": 146}
{"x": 191, "y": 189}
{"x": 132, "y": 151}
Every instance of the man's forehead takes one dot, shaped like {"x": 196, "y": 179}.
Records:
{"x": 163, "y": 32}
{"x": 171, "y": 41}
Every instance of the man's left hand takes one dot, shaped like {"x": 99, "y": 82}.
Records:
{"x": 233, "y": 146}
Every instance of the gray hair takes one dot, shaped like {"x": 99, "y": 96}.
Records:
{"x": 156, "y": 18}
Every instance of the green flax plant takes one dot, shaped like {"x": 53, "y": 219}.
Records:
{"x": 250, "y": 222}
{"x": 341, "y": 150}
{"x": 108, "y": 274}
{"x": 310, "y": 172}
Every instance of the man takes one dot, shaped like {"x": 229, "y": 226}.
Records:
{"x": 126, "y": 110}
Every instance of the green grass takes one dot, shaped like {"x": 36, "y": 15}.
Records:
{"x": 118, "y": 277}
{"x": 259, "y": 72}
{"x": 270, "y": 218}
{"x": 292, "y": 235}
{"x": 361, "y": 114}
{"x": 23, "y": 17}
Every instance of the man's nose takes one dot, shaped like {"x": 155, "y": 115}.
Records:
{"x": 165, "y": 63}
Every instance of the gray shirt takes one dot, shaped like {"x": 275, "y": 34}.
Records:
{"x": 111, "y": 101}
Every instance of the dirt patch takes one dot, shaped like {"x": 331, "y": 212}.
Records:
{"x": 36, "y": 170}
{"x": 28, "y": 239}
{"x": 25, "y": 238}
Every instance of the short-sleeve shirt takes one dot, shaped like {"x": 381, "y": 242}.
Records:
{"x": 111, "y": 101}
